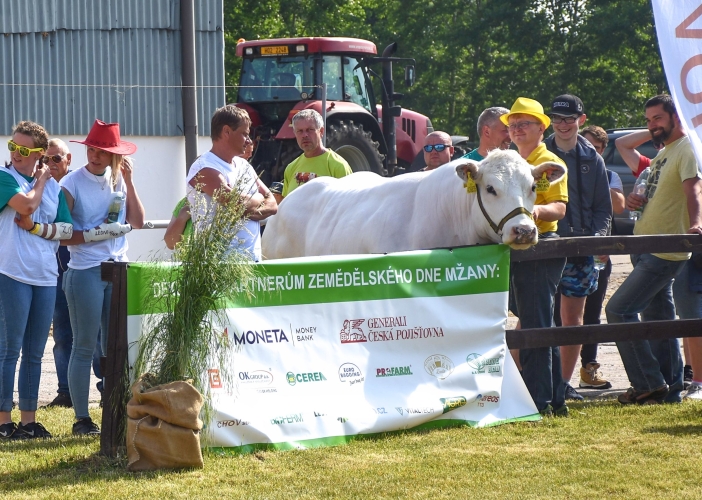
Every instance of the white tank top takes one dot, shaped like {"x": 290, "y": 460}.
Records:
{"x": 26, "y": 257}
{"x": 238, "y": 171}
{"x": 92, "y": 195}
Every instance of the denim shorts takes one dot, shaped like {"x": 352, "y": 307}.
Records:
{"x": 579, "y": 277}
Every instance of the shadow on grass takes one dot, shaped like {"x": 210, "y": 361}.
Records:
{"x": 676, "y": 429}
{"x": 58, "y": 466}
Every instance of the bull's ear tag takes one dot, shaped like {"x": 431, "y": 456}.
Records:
{"x": 542, "y": 184}
{"x": 470, "y": 184}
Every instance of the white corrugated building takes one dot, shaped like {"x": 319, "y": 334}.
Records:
{"x": 64, "y": 63}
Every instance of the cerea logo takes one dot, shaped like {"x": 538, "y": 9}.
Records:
{"x": 351, "y": 332}
{"x": 293, "y": 378}
{"x": 439, "y": 366}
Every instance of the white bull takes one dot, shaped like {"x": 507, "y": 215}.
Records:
{"x": 366, "y": 213}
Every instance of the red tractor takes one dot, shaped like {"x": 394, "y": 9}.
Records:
{"x": 280, "y": 77}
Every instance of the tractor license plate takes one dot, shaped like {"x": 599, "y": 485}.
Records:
{"x": 274, "y": 51}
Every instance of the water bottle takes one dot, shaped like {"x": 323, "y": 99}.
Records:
{"x": 640, "y": 189}
{"x": 599, "y": 263}
{"x": 117, "y": 206}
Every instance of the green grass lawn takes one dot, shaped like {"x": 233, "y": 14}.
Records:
{"x": 602, "y": 451}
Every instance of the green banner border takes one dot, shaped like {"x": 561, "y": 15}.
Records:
{"x": 345, "y": 439}
{"x": 317, "y": 280}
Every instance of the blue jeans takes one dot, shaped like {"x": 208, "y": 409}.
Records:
{"x": 88, "y": 300}
{"x": 688, "y": 304}
{"x": 648, "y": 290}
{"x": 532, "y": 290}
{"x": 25, "y": 319}
{"x": 63, "y": 342}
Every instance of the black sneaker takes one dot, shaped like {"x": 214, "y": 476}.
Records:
{"x": 8, "y": 431}
{"x": 86, "y": 427}
{"x": 33, "y": 430}
{"x": 63, "y": 400}
{"x": 571, "y": 394}
{"x": 687, "y": 377}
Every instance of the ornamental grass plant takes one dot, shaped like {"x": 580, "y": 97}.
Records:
{"x": 204, "y": 269}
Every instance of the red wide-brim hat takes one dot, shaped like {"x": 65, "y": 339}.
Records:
{"x": 105, "y": 136}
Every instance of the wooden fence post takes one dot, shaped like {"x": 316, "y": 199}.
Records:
{"x": 113, "y": 410}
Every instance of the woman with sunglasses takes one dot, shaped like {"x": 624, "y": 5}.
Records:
{"x": 33, "y": 217}
{"x": 90, "y": 191}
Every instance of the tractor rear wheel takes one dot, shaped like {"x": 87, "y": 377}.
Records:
{"x": 355, "y": 145}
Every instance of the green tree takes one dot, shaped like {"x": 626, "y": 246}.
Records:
{"x": 472, "y": 54}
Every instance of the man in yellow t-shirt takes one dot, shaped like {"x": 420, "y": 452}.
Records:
{"x": 533, "y": 284}
{"x": 672, "y": 206}
{"x": 316, "y": 160}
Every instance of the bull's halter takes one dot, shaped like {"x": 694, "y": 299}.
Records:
{"x": 471, "y": 186}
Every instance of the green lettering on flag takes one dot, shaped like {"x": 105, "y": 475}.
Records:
{"x": 424, "y": 273}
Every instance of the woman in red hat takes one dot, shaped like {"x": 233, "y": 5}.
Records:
{"x": 105, "y": 206}
{"x": 33, "y": 217}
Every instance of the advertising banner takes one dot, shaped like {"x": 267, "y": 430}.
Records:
{"x": 331, "y": 348}
{"x": 679, "y": 30}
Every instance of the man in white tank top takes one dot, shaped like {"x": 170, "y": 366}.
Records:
{"x": 222, "y": 168}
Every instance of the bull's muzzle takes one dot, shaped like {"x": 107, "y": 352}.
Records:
{"x": 523, "y": 235}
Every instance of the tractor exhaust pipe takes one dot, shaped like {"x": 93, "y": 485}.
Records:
{"x": 390, "y": 111}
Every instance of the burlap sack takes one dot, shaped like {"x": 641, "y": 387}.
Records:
{"x": 163, "y": 427}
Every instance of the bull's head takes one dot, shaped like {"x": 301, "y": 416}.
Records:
{"x": 505, "y": 186}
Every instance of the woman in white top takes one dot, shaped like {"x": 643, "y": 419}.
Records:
{"x": 90, "y": 191}
{"x": 33, "y": 217}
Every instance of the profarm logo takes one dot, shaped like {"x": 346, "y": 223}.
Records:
{"x": 394, "y": 371}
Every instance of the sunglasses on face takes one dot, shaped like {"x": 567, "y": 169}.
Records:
{"x": 23, "y": 150}
{"x": 563, "y": 119}
{"x": 436, "y": 147}
{"x": 54, "y": 158}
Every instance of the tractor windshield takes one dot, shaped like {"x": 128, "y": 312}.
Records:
{"x": 274, "y": 79}
{"x": 356, "y": 85}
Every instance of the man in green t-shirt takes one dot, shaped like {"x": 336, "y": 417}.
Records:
{"x": 316, "y": 160}
{"x": 492, "y": 132}
{"x": 672, "y": 206}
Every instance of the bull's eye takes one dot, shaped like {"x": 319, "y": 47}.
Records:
{"x": 491, "y": 190}
{"x": 533, "y": 188}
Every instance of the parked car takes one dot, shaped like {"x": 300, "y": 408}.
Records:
{"x": 613, "y": 160}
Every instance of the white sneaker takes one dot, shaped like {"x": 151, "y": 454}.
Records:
{"x": 694, "y": 392}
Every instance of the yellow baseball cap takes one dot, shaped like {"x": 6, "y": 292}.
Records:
{"x": 524, "y": 105}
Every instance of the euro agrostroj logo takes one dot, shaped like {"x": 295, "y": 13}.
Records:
{"x": 481, "y": 364}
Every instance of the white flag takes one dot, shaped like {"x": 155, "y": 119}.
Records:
{"x": 679, "y": 29}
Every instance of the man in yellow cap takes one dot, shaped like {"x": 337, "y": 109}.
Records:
{"x": 534, "y": 283}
